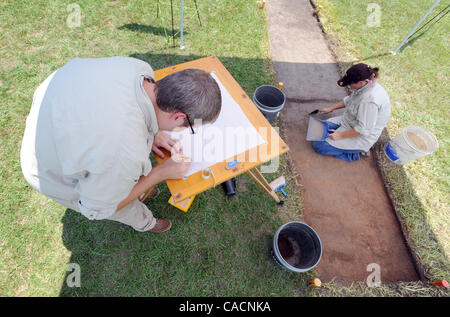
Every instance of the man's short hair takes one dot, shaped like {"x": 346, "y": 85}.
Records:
{"x": 191, "y": 91}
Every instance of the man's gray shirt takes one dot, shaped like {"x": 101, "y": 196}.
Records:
{"x": 89, "y": 133}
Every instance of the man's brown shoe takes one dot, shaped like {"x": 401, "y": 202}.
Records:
{"x": 161, "y": 225}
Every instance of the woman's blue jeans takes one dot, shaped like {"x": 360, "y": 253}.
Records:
{"x": 322, "y": 147}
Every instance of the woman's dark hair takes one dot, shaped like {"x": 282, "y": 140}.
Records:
{"x": 374, "y": 71}
{"x": 191, "y": 91}
{"x": 358, "y": 72}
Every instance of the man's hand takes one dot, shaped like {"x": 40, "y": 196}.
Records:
{"x": 175, "y": 167}
{"x": 170, "y": 169}
{"x": 164, "y": 141}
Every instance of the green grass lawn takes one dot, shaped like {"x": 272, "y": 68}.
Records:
{"x": 219, "y": 248}
{"x": 417, "y": 82}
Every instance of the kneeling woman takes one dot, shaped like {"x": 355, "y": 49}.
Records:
{"x": 367, "y": 112}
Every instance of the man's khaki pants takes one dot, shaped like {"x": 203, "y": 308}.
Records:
{"x": 135, "y": 214}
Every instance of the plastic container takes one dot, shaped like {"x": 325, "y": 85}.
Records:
{"x": 412, "y": 143}
{"x": 296, "y": 247}
{"x": 318, "y": 130}
{"x": 270, "y": 101}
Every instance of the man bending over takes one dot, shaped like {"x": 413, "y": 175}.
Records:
{"x": 92, "y": 126}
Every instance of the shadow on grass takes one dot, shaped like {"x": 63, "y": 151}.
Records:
{"x": 411, "y": 41}
{"x": 347, "y": 65}
{"x": 156, "y": 30}
{"x": 250, "y": 73}
{"x": 408, "y": 43}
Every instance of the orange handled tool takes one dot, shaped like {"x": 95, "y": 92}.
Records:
{"x": 442, "y": 283}
{"x": 315, "y": 282}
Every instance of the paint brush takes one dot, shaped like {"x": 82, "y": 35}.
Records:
{"x": 314, "y": 112}
{"x": 278, "y": 185}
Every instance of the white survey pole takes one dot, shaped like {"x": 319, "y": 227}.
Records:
{"x": 416, "y": 26}
{"x": 181, "y": 26}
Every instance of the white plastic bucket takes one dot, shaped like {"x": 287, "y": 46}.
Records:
{"x": 412, "y": 143}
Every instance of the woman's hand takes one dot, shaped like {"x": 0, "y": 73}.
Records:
{"x": 326, "y": 110}
{"x": 343, "y": 135}
{"x": 164, "y": 141}
{"x": 335, "y": 135}
{"x": 339, "y": 105}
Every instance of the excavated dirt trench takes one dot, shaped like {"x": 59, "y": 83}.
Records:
{"x": 346, "y": 203}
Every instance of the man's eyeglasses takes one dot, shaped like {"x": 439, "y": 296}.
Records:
{"x": 190, "y": 125}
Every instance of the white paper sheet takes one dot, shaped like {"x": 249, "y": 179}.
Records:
{"x": 231, "y": 134}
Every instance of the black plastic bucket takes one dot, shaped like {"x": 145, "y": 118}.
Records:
{"x": 270, "y": 101}
{"x": 296, "y": 247}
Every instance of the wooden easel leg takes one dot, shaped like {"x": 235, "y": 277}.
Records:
{"x": 146, "y": 194}
{"x": 256, "y": 175}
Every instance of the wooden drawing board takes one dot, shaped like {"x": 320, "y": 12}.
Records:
{"x": 275, "y": 146}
